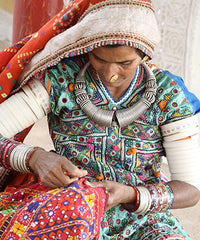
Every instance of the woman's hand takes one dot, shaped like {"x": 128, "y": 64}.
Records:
{"x": 51, "y": 169}
{"x": 118, "y": 193}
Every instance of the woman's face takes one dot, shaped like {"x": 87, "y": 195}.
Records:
{"x": 122, "y": 61}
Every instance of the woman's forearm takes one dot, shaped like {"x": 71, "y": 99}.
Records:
{"x": 185, "y": 195}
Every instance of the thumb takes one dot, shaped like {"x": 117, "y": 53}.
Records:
{"x": 94, "y": 184}
{"x": 73, "y": 171}
{"x": 88, "y": 183}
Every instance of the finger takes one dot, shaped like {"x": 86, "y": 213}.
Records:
{"x": 95, "y": 184}
{"x": 70, "y": 181}
{"x": 88, "y": 183}
{"x": 50, "y": 185}
{"x": 72, "y": 170}
{"x": 63, "y": 178}
{"x": 55, "y": 179}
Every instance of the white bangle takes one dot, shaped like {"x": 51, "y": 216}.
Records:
{"x": 145, "y": 200}
{"x": 23, "y": 109}
{"x": 183, "y": 155}
{"x": 41, "y": 94}
{"x": 18, "y": 158}
{"x": 180, "y": 125}
{"x": 16, "y": 110}
{"x": 3, "y": 130}
{"x": 182, "y": 144}
{"x": 33, "y": 105}
{"x": 4, "y": 126}
{"x": 26, "y": 109}
{"x": 34, "y": 98}
{"x": 7, "y": 118}
{"x": 182, "y": 135}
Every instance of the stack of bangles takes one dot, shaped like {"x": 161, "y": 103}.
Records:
{"x": 15, "y": 155}
{"x": 18, "y": 112}
{"x": 151, "y": 198}
{"x": 24, "y": 108}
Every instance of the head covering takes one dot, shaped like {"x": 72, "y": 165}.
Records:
{"x": 79, "y": 28}
{"x": 125, "y": 22}
{"x": 67, "y": 2}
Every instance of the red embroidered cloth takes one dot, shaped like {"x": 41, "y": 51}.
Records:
{"x": 37, "y": 212}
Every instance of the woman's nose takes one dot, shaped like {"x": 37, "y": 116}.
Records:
{"x": 110, "y": 70}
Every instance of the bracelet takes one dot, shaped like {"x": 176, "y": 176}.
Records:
{"x": 8, "y": 150}
{"x": 151, "y": 198}
{"x": 6, "y": 146}
{"x": 40, "y": 92}
{"x": 162, "y": 197}
{"x": 28, "y": 157}
{"x": 4, "y": 130}
{"x": 17, "y": 158}
{"x": 137, "y": 201}
{"x": 15, "y": 155}
{"x": 16, "y": 112}
{"x": 24, "y": 108}
{"x": 145, "y": 200}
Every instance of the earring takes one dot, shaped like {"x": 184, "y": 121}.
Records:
{"x": 114, "y": 78}
{"x": 144, "y": 59}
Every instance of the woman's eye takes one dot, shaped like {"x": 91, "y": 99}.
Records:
{"x": 125, "y": 63}
{"x": 100, "y": 60}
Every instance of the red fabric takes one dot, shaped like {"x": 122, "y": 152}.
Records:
{"x": 29, "y": 16}
{"x": 37, "y": 212}
{"x": 14, "y": 59}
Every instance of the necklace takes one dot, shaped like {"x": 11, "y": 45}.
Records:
{"x": 113, "y": 118}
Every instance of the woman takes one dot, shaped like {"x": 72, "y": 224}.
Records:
{"x": 111, "y": 120}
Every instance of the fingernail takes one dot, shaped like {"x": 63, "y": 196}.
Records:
{"x": 87, "y": 183}
{"x": 74, "y": 179}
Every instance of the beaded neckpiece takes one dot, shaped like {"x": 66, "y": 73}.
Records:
{"x": 113, "y": 118}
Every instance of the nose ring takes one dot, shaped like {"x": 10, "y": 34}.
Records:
{"x": 114, "y": 78}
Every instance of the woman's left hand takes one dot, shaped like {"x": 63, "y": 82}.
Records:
{"x": 118, "y": 193}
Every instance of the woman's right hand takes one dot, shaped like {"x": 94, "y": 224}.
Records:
{"x": 51, "y": 169}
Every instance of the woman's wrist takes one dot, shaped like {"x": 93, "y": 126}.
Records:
{"x": 129, "y": 194}
{"x": 32, "y": 161}
{"x": 131, "y": 201}
{"x": 29, "y": 157}
{"x": 16, "y": 156}
{"x": 152, "y": 198}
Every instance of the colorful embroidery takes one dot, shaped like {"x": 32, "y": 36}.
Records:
{"x": 69, "y": 213}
